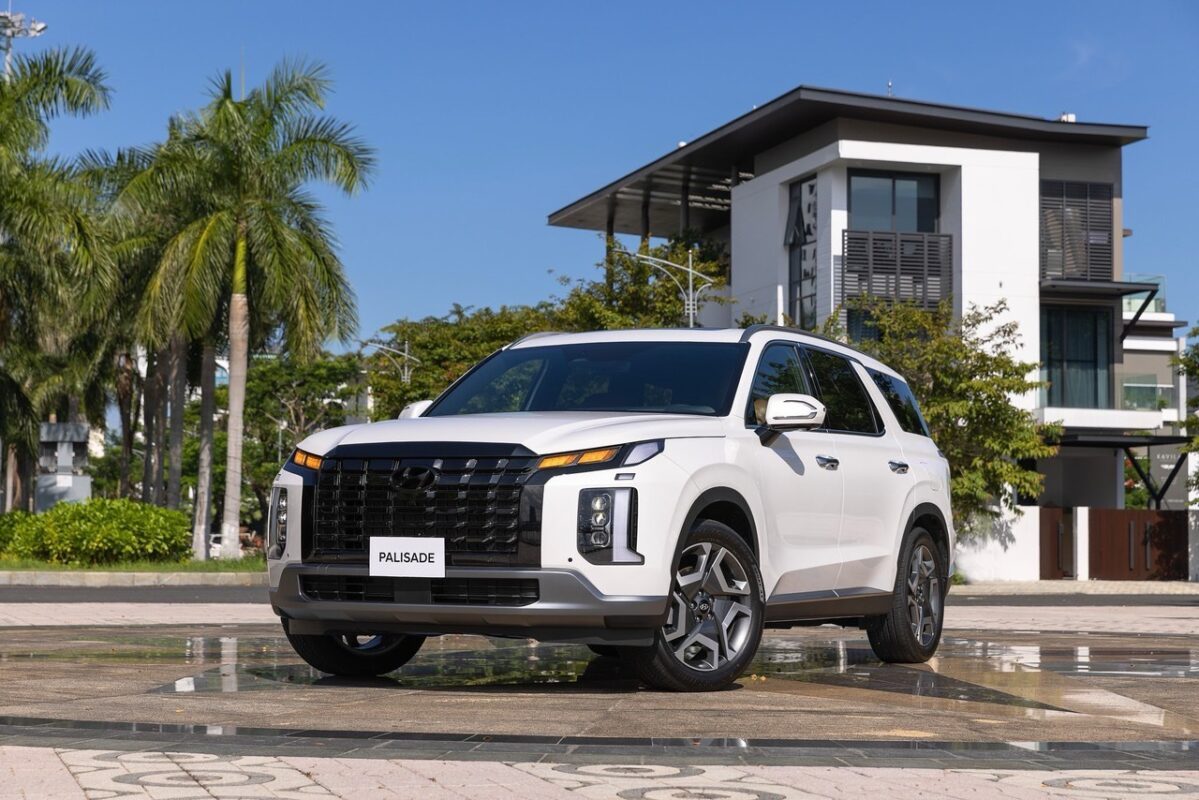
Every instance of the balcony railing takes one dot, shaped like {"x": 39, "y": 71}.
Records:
{"x": 1144, "y": 393}
{"x": 907, "y": 267}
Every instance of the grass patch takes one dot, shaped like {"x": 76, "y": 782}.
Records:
{"x": 247, "y": 564}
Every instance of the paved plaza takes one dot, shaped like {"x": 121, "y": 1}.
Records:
{"x": 205, "y": 699}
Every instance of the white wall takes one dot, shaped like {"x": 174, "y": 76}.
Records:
{"x": 1014, "y": 555}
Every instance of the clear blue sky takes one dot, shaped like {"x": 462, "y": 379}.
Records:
{"x": 488, "y": 116}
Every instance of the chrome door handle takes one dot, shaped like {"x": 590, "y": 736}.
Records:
{"x": 828, "y": 462}
{"x": 898, "y": 467}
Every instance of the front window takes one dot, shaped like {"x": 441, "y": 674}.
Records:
{"x": 849, "y": 407}
{"x": 1076, "y": 354}
{"x": 778, "y": 372}
{"x": 645, "y": 377}
{"x": 893, "y": 201}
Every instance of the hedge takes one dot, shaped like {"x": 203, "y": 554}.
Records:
{"x": 98, "y": 531}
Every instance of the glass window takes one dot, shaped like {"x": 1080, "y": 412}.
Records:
{"x": 801, "y": 253}
{"x": 901, "y": 400}
{"x": 666, "y": 377}
{"x": 1076, "y": 356}
{"x": 778, "y": 372}
{"x": 899, "y": 202}
{"x": 849, "y": 407}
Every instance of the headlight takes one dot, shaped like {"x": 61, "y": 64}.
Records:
{"x": 277, "y": 524}
{"x": 607, "y": 530}
{"x": 637, "y": 453}
{"x": 306, "y": 460}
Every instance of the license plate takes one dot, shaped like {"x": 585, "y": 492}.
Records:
{"x": 407, "y": 557}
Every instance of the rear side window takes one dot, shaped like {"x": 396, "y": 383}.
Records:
{"x": 849, "y": 407}
{"x": 778, "y": 373}
{"x": 901, "y": 400}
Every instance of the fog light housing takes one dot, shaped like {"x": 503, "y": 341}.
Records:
{"x": 607, "y": 529}
{"x": 277, "y": 524}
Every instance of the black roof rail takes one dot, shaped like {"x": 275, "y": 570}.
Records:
{"x": 752, "y": 329}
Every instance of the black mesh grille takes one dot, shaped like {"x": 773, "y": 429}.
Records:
{"x": 472, "y": 503}
{"x": 445, "y": 591}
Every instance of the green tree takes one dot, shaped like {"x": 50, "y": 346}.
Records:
{"x": 53, "y": 260}
{"x": 965, "y": 373}
{"x": 260, "y": 248}
{"x": 1188, "y": 364}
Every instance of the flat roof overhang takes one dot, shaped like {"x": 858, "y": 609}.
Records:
{"x": 1120, "y": 441}
{"x": 706, "y": 169}
{"x": 1077, "y": 287}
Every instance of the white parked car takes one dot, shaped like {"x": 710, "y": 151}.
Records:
{"x": 660, "y": 496}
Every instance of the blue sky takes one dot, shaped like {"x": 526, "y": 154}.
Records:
{"x": 489, "y": 116}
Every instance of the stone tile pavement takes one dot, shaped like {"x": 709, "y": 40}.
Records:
{"x": 33, "y": 773}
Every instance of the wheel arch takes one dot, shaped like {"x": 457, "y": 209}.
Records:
{"x": 930, "y": 517}
{"x": 728, "y": 507}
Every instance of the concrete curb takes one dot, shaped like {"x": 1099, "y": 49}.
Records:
{"x": 98, "y": 579}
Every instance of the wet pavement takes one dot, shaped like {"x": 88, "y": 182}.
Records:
{"x": 999, "y": 694}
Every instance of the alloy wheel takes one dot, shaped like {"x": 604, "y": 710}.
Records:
{"x": 711, "y": 618}
{"x": 924, "y": 596}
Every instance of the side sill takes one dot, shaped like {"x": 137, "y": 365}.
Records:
{"x": 827, "y": 605}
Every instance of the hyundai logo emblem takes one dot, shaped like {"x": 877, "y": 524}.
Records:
{"x": 417, "y": 478}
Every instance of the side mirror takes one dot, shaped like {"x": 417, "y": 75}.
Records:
{"x": 415, "y": 409}
{"x": 791, "y": 411}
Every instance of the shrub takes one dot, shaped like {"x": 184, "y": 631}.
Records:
{"x": 100, "y": 532}
{"x": 8, "y": 525}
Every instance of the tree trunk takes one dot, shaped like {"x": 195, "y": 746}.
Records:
{"x": 126, "y": 409}
{"x": 24, "y": 480}
{"x": 239, "y": 344}
{"x": 204, "y": 473}
{"x": 162, "y": 398}
{"x": 178, "y": 399}
{"x": 149, "y": 408}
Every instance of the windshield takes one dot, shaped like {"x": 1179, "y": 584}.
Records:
{"x": 663, "y": 377}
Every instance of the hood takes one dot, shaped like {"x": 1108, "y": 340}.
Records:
{"x": 541, "y": 432}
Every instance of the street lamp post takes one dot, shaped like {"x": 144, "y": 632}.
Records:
{"x": 13, "y": 26}
{"x": 404, "y": 365}
{"x": 691, "y": 294}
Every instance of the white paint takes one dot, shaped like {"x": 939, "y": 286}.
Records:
{"x": 1082, "y": 543}
{"x": 1150, "y": 345}
{"x": 407, "y": 556}
{"x": 1010, "y": 552}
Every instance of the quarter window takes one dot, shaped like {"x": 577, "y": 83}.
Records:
{"x": 901, "y": 400}
{"x": 849, "y": 407}
{"x": 778, "y": 372}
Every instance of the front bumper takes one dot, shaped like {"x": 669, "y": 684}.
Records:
{"x": 569, "y": 609}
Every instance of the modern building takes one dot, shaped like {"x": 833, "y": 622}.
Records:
{"x": 822, "y": 196}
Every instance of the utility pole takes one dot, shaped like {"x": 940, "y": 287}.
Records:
{"x": 690, "y": 294}
{"x": 14, "y": 26}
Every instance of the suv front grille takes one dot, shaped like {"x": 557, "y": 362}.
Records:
{"x": 442, "y": 591}
{"x": 474, "y": 504}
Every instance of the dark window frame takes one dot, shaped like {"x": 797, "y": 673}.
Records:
{"x": 892, "y": 175}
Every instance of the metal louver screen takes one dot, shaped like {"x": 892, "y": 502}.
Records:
{"x": 1076, "y": 230}
{"x": 905, "y": 267}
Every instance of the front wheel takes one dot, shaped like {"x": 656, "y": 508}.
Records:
{"x": 715, "y": 619}
{"x": 355, "y": 655}
{"x": 910, "y": 632}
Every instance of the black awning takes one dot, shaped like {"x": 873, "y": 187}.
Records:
{"x": 1076, "y": 287}
{"x": 1120, "y": 441}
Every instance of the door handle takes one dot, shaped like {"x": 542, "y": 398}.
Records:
{"x": 828, "y": 462}
{"x": 898, "y": 467}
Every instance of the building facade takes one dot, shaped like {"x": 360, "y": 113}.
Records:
{"x": 823, "y": 196}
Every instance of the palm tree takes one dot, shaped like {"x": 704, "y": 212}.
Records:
{"x": 49, "y": 243}
{"x": 259, "y": 245}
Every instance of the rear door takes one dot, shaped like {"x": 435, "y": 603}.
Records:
{"x": 802, "y": 499}
{"x": 871, "y": 463}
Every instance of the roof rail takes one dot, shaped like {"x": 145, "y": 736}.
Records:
{"x": 752, "y": 329}
{"x": 527, "y": 336}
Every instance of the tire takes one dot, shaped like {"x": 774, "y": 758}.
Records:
{"x": 359, "y": 656}
{"x": 911, "y": 631}
{"x": 605, "y": 650}
{"x": 716, "y": 587}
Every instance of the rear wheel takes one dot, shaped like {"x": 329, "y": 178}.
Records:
{"x": 715, "y": 619}
{"x": 355, "y": 655}
{"x": 910, "y": 632}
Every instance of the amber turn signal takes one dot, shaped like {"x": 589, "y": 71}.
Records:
{"x": 307, "y": 460}
{"x": 582, "y": 457}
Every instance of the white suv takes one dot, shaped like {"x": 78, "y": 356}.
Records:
{"x": 660, "y": 496}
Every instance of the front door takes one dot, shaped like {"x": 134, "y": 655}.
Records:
{"x": 801, "y": 488}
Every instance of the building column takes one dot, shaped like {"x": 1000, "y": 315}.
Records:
{"x": 645, "y": 216}
{"x": 685, "y": 203}
{"x": 1082, "y": 543}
